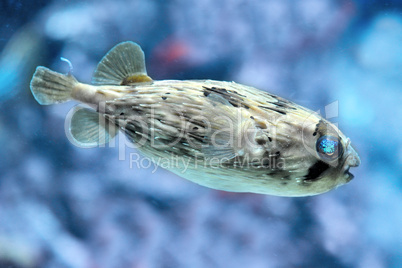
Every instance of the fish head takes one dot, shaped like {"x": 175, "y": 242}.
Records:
{"x": 331, "y": 155}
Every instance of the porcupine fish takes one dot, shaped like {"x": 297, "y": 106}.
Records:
{"x": 234, "y": 137}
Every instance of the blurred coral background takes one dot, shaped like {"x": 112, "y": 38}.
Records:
{"x": 64, "y": 206}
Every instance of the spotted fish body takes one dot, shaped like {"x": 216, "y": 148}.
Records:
{"x": 230, "y": 136}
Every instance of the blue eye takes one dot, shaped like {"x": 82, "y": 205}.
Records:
{"x": 329, "y": 148}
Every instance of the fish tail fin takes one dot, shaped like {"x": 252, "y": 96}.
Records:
{"x": 49, "y": 87}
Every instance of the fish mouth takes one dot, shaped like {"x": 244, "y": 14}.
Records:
{"x": 349, "y": 176}
{"x": 353, "y": 160}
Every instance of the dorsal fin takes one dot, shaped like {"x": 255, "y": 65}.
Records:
{"x": 124, "y": 64}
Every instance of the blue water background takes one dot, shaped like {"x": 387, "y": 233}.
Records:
{"x": 64, "y": 206}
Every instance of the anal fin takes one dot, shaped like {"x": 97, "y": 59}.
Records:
{"x": 90, "y": 129}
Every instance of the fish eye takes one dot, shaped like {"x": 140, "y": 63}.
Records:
{"x": 329, "y": 148}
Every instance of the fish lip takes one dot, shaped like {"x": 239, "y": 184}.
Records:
{"x": 349, "y": 175}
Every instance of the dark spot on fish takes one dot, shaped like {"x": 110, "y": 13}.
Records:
{"x": 234, "y": 104}
{"x": 273, "y": 109}
{"x": 252, "y": 117}
{"x": 282, "y": 103}
{"x": 122, "y": 113}
{"x": 279, "y": 99}
{"x": 164, "y": 98}
{"x": 234, "y": 99}
{"x": 260, "y": 141}
{"x": 194, "y": 121}
{"x": 316, "y": 170}
{"x": 270, "y": 139}
{"x": 221, "y": 89}
{"x": 315, "y": 133}
{"x": 196, "y": 137}
{"x": 167, "y": 93}
{"x": 235, "y": 92}
{"x": 195, "y": 128}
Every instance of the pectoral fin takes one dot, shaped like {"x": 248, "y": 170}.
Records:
{"x": 220, "y": 140}
{"x": 90, "y": 129}
{"x": 124, "y": 64}
{"x": 232, "y": 133}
